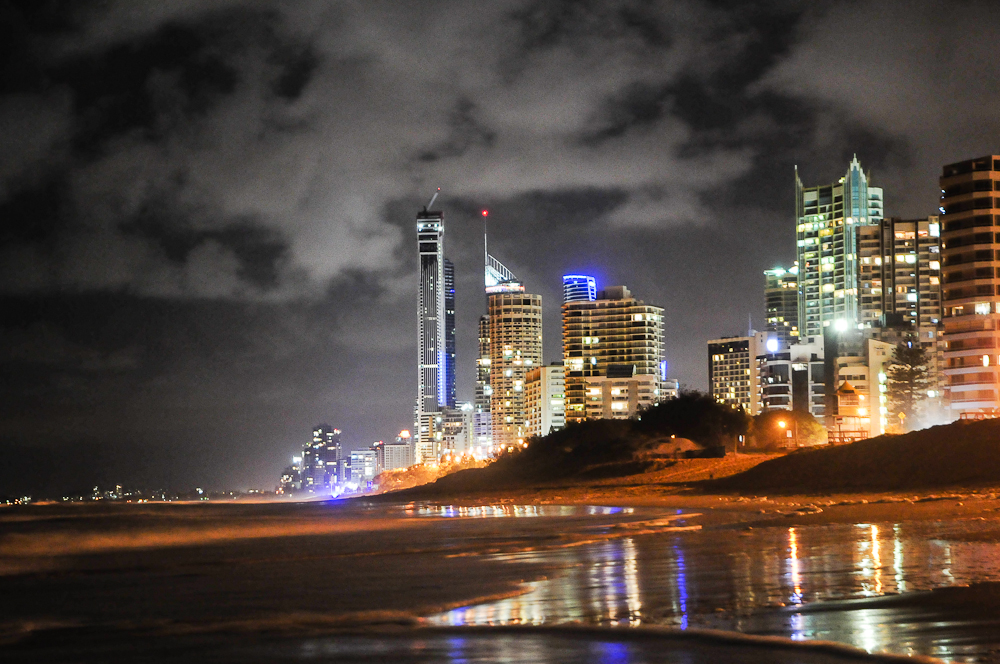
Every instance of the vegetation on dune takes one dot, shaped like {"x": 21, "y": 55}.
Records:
{"x": 600, "y": 448}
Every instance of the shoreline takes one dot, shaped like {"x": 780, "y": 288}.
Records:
{"x": 678, "y": 487}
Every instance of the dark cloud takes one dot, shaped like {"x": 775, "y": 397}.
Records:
{"x": 207, "y": 207}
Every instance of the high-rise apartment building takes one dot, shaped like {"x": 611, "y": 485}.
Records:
{"x": 432, "y": 349}
{"x": 579, "y": 288}
{"x": 900, "y": 274}
{"x": 483, "y": 434}
{"x": 825, "y": 218}
{"x": 458, "y": 430}
{"x": 970, "y": 237}
{"x": 395, "y": 454}
{"x": 613, "y": 329}
{"x": 432, "y": 392}
{"x": 792, "y": 378}
{"x": 515, "y": 333}
{"x": 449, "y": 334}
{"x": 781, "y": 295}
{"x": 545, "y": 400}
{"x": 899, "y": 285}
{"x": 732, "y": 371}
{"x": 319, "y": 459}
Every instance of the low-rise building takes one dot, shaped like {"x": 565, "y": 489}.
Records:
{"x": 619, "y": 394}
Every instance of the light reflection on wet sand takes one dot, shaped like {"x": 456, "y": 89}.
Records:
{"x": 755, "y": 582}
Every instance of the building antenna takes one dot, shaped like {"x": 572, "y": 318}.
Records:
{"x": 433, "y": 198}
{"x": 750, "y": 325}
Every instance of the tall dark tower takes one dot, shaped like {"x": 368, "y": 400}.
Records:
{"x": 431, "y": 390}
{"x": 449, "y": 333}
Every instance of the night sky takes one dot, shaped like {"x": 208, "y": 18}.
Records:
{"x": 208, "y": 207}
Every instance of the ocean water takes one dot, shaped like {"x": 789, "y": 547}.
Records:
{"x": 336, "y": 582}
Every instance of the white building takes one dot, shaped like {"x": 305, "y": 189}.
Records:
{"x": 619, "y": 394}
{"x": 363, "y": 465}
{"x": 545, "y": 399}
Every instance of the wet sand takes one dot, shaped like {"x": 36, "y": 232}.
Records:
{"x": 213, "y": 578}
{"x": 677, "y": 488}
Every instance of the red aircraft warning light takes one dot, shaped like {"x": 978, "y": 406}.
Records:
{"x": 486, "y": 213}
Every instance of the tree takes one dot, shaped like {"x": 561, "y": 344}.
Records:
{"x": 696, "y": 416}
{"x": 907, "y": 381}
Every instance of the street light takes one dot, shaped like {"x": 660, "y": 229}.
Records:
{"x": 782, "y": 424}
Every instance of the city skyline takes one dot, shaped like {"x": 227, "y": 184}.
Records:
{"x": 209, "y": 245}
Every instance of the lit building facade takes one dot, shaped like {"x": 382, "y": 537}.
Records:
{"x": 793, "y": 378}
{"x": 363, "y": 465}
{"x": 615, "y": 328}
{"x": 579, "y": 288}
{"x": 781, "y": 295}
{"x": 458, "y": 430}
{"x": 320, "y": 458}
{"x": 396, "y": 454}
{"x": 449, "y": 334}
{"x": 545, "y": 399}
{"x": 900, "y": 273}
{"x": 671, "y": 389}
{"x": 970, "y": 216}
{"x": 826, "y": 217}
{"x": 733, "y": 377}
{"x": 515, "y": 320}
{"x": 482, "y": 422}
{"x": 858, "y": 406}
{"x": 432, "y": 392}
{"x": 620, "y": 393}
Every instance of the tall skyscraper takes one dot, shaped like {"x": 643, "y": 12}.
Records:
{"x": 432, "y": 391}
{"x": 449, "y": 333}
{"x": 432, "y": 347}
{"x": 579, "y": 288}
{"x": 514, "y": 338}
{"x": 970, "y": 213}
{"x": 515, "y": 349}
{"x": 825, "y": 218}
{"x": 781, "y": 295}
{"x": 614, "y": 329}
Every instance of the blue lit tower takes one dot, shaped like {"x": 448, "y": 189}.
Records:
{"x": 579, "y": 288}
{"x": 449, "y": 332}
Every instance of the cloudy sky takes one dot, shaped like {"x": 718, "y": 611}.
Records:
{"x": 207, "y": 206}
